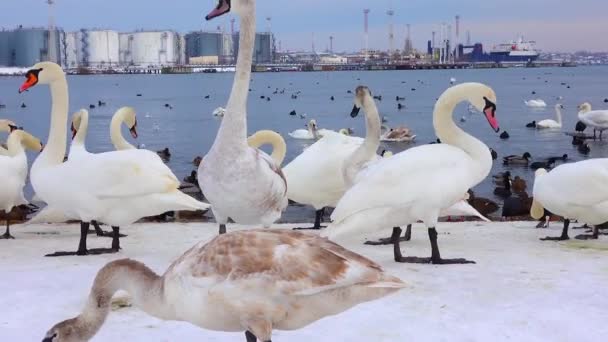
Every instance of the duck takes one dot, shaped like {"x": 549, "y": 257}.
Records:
{"x": 316, "y": 177}
{"x": 584, "y": 148}
{"x": 219, "y": 111}
{"x": 504, "y": 190}
{"x": 517, "y": 206}
{"x": 399, "y": 98}
{"x": 116, "y": 188}
{"x": 504, "y": 135}
{"x": 197, "y": 161}
{"x": 384, "y": 197}
{"x": 531, "y": 124}
{"x": 397, "y": 134}
{"x": 575, "y": 191}
{"x": 14, "y": 170}
{"x": 547, "y": 164}
{"x": 282, "y": 280}
{"x": 483, "y": 205}
{"x": 164, "y": 154}
{"x": 518, "y": 184}
{"x": 537, "y": 103}
{"x": 494, "y": 154}
{"x": 580, "y": 127}
{"x": 311, "y": 132}
{"x": 242, "y": 183}
{"x": 400, "y": 106}
{"x": 598, "y": 119}
{"x": 524, "y": 159}
{"x": 549, "y": 123}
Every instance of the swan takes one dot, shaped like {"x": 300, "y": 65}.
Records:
{"x": 13, "y": 170}
{"x": 399, "y": 134}
{"x": 128, "y": 116}
{"x": 219, "y": 111}
{"x": 418, "y": 183}
{"x": 241, "y": 183}
{"x": 311, "y": 131}
{"x": 316, "y": 177}
{"x": 549, "y": 123}
{"x": 538, "y": 103}
{"x": 598, "y": 119}
{"x": 116, "y": 188}
{"x": 6, "y": 126}
{"x": 574, "y": 191}
{"x": 280, "y": 280}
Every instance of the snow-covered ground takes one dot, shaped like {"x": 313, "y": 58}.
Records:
{"x": 521, "y": 289}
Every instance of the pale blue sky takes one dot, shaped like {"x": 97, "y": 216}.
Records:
{"x": 554, "y": 24}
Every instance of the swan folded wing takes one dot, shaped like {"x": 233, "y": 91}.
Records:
{"x": 123, "y": 175}
{"x": 598, "y": 117}
{"x": 293, "y": 261}
{"x": 580, "y": 184}
{"x": 406, "y": 179}
{"x": 272, "y": 165}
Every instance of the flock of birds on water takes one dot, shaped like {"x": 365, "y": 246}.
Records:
{"x": 259, "y": 280}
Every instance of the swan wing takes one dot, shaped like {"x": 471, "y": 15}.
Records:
{"x": 584, "y": 183}
{"x": 120, "y": 174}
{"x": 598, "y": 117}
{"x": 407, "y": 179}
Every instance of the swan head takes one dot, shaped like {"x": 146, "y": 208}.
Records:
{"x": 485, "y": 102}
{"x": 312, "y": 125}
{"x": 585, "y": 107}
{"x": 8, "y": 126}
{"x": 362, "y": 94}
{"x": 240, "y": 7}
{"x": 70, "y": 330}
{"x": 559, "y": 106}
{"x": 41, "y": 73}
{"x": 129, "y": 117}
{"x": 346, "y": 131}
{"x": 76, "y": 120}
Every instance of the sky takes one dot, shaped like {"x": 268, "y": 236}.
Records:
{"x": 556, "y": 25}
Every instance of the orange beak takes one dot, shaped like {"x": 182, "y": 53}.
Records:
{"x": 30, "y": 82}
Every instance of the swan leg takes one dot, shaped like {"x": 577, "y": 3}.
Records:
{"x": 595, "y": 235}
{"x": 222, "y": 228}
{"x": 389, "y": 241}
{"x": 435, "y": 255}
{"x": 82, "y": 244}
{"x": 115, "y": 244}
{"x": 318, "y": 218}
{"x": 564, "y": 235}
{"x": 7, "y": 234}
{"x": 584, "y": 226}
{"x": 543, "y": 224}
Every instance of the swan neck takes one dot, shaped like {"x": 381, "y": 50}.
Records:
{"x": 558, "y": 113}
{"x": 279, "y": 148}
{"x": 118, "y": 140}
{"x": 144, "y": 286}
{"x": 368, "y": 149}
{"x": 81, "y": 130}
{"x": 234, "y": 123}
{"x": 449, "y": 133}
{"x": 54, "y": 151}
{"x": 14, "y": 144}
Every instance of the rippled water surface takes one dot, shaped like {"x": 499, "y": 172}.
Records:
{"x": 188, "y": 129}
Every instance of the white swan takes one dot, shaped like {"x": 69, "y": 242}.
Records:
{"x": 538, "y": 103}
{"x": 280, "y": 280}
{"x": 13, "y": 171}
{"x": 127, "y": 116}
{"x": 116, "y": 188}
{"x": 317, "y": 176}
{"x": 240, "y": 182}
{"x": 418, "y": 183}
{"x": 311, "y": 131}
{"x": 549, "y": 123}
{"x": 398, "y": 134}
{"x": 219, "y": 111}
{"x": 598, "y": 119}
{"x": 6, "y": 126}
{"x": 575, "y": 191}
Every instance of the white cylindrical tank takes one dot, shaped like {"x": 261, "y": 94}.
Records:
{"x": 98, "y": 48}
{"x": 150, "y": 48}
{"x": 70, "y": 53}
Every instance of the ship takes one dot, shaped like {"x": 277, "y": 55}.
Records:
{"x": 515, "y": 51}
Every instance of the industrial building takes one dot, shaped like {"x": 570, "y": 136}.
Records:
{"x": 151, "y": 48}
{"x": 90, "y": 48}
{"x": 209, "y": 48}
{"x": 23, "y": 47}
{"x": 264, "y": 50}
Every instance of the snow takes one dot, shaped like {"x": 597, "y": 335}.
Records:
{"x": 521, "y": 289}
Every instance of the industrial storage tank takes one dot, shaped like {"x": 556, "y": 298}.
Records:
{"x": 97, "y": 48}
{"x": 69, "y": 51}
{"x": 5, "y": 47}
{"x": 209, "y": 44}
{"x": 264, "y": 47}
{"x": 150, "y": 48}
{"x": 31, "y": 45}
